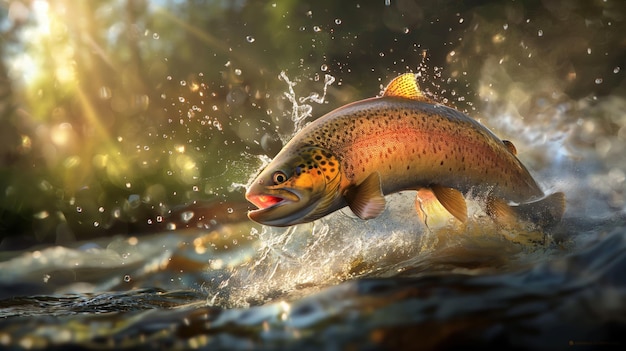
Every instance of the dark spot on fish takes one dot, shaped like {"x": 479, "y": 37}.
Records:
{"x": 441, "y": 163}
{"x": 319, "y": 172}
{"x": 332, "y": 170}
{"x": 318, "y": 157}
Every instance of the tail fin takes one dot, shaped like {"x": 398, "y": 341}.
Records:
{"x": 544, "y": 213}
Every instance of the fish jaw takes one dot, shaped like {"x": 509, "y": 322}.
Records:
{"x": 277, "y": 207}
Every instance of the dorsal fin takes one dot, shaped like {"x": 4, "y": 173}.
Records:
{"x": 509, "y": 145}
{"x": 405, "y": 86}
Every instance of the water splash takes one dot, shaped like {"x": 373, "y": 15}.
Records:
{"x": 301, "y": 110}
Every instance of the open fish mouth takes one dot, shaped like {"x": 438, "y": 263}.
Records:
{"x": 265, "y": 202}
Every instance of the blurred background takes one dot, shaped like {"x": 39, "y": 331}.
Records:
{"x": 115, "y": 112}
{"x": 130, "y": 128}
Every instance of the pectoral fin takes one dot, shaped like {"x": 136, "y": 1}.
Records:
{"x": 366, "y": 200}
{"x": 452, "y": 200}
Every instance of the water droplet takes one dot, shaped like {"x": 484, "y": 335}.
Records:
{"x": 387, "y": 2}
{"x": 42, "y": 215}
{"x": 461, "y": 20}
{"x": 149, "y": 221}
{"x": 96, "y": 224}
{"x": 155, "y": 35}
{"x": 317, "y": 29}
{"x": 381, "y": 54}
{"x": 588, "y": 51}
{"x": 194, "y": 188}
{"x": 127, "y": 278}
{"x": 337, "y": 20}
{"x": 540, "y": 33}
{"x": 187, "y": 216}
{"x": 46, "y": 277}
{"x": 168, "y": 77}
{"x": 324, "y": 68}
{"x": 79, "y": 209}
{"x": 230, "y": 210}
{"x": 217, "y": 125}
{"x": 237, "y": 71}
{"x": 598, "y": 80}
{"x": 181, "y": 99}
{"x": 128, "y": 185}
{"x": 250, "y": 39}
{"x": 159, "y": 219}
{"x": 105, "y": 93}
{"x": 171, "y": 226}
{"x": 616, "y": 69}
{"x": 406, "y": 30}
{"x": 505, "y": 26}
{"x": 183, "y": 83}
{"x": 134, "y": 200}
{"x": 101, "y": 209}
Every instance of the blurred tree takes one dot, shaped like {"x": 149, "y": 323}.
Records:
{"x": 125, "y": 109}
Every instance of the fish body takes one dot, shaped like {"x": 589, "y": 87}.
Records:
{"x": 358, "y": 153}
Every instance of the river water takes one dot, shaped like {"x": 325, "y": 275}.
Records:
{"x": 197, "y": 274}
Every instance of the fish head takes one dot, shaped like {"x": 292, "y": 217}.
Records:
{"x": 298, "y": 186}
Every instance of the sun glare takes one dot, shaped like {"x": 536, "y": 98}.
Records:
{"x": 45, "y": 33}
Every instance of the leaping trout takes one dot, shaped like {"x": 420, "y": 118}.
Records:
{"x": 402, "y": 140}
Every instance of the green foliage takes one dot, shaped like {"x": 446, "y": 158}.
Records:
{"x": 118, "y": 98}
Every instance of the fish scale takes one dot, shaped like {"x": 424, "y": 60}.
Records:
{"x": 399, "y": 141}
{"x": 432, "y": 139}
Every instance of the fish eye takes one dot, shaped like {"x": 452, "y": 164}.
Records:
{"x": 279, "y": 177}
